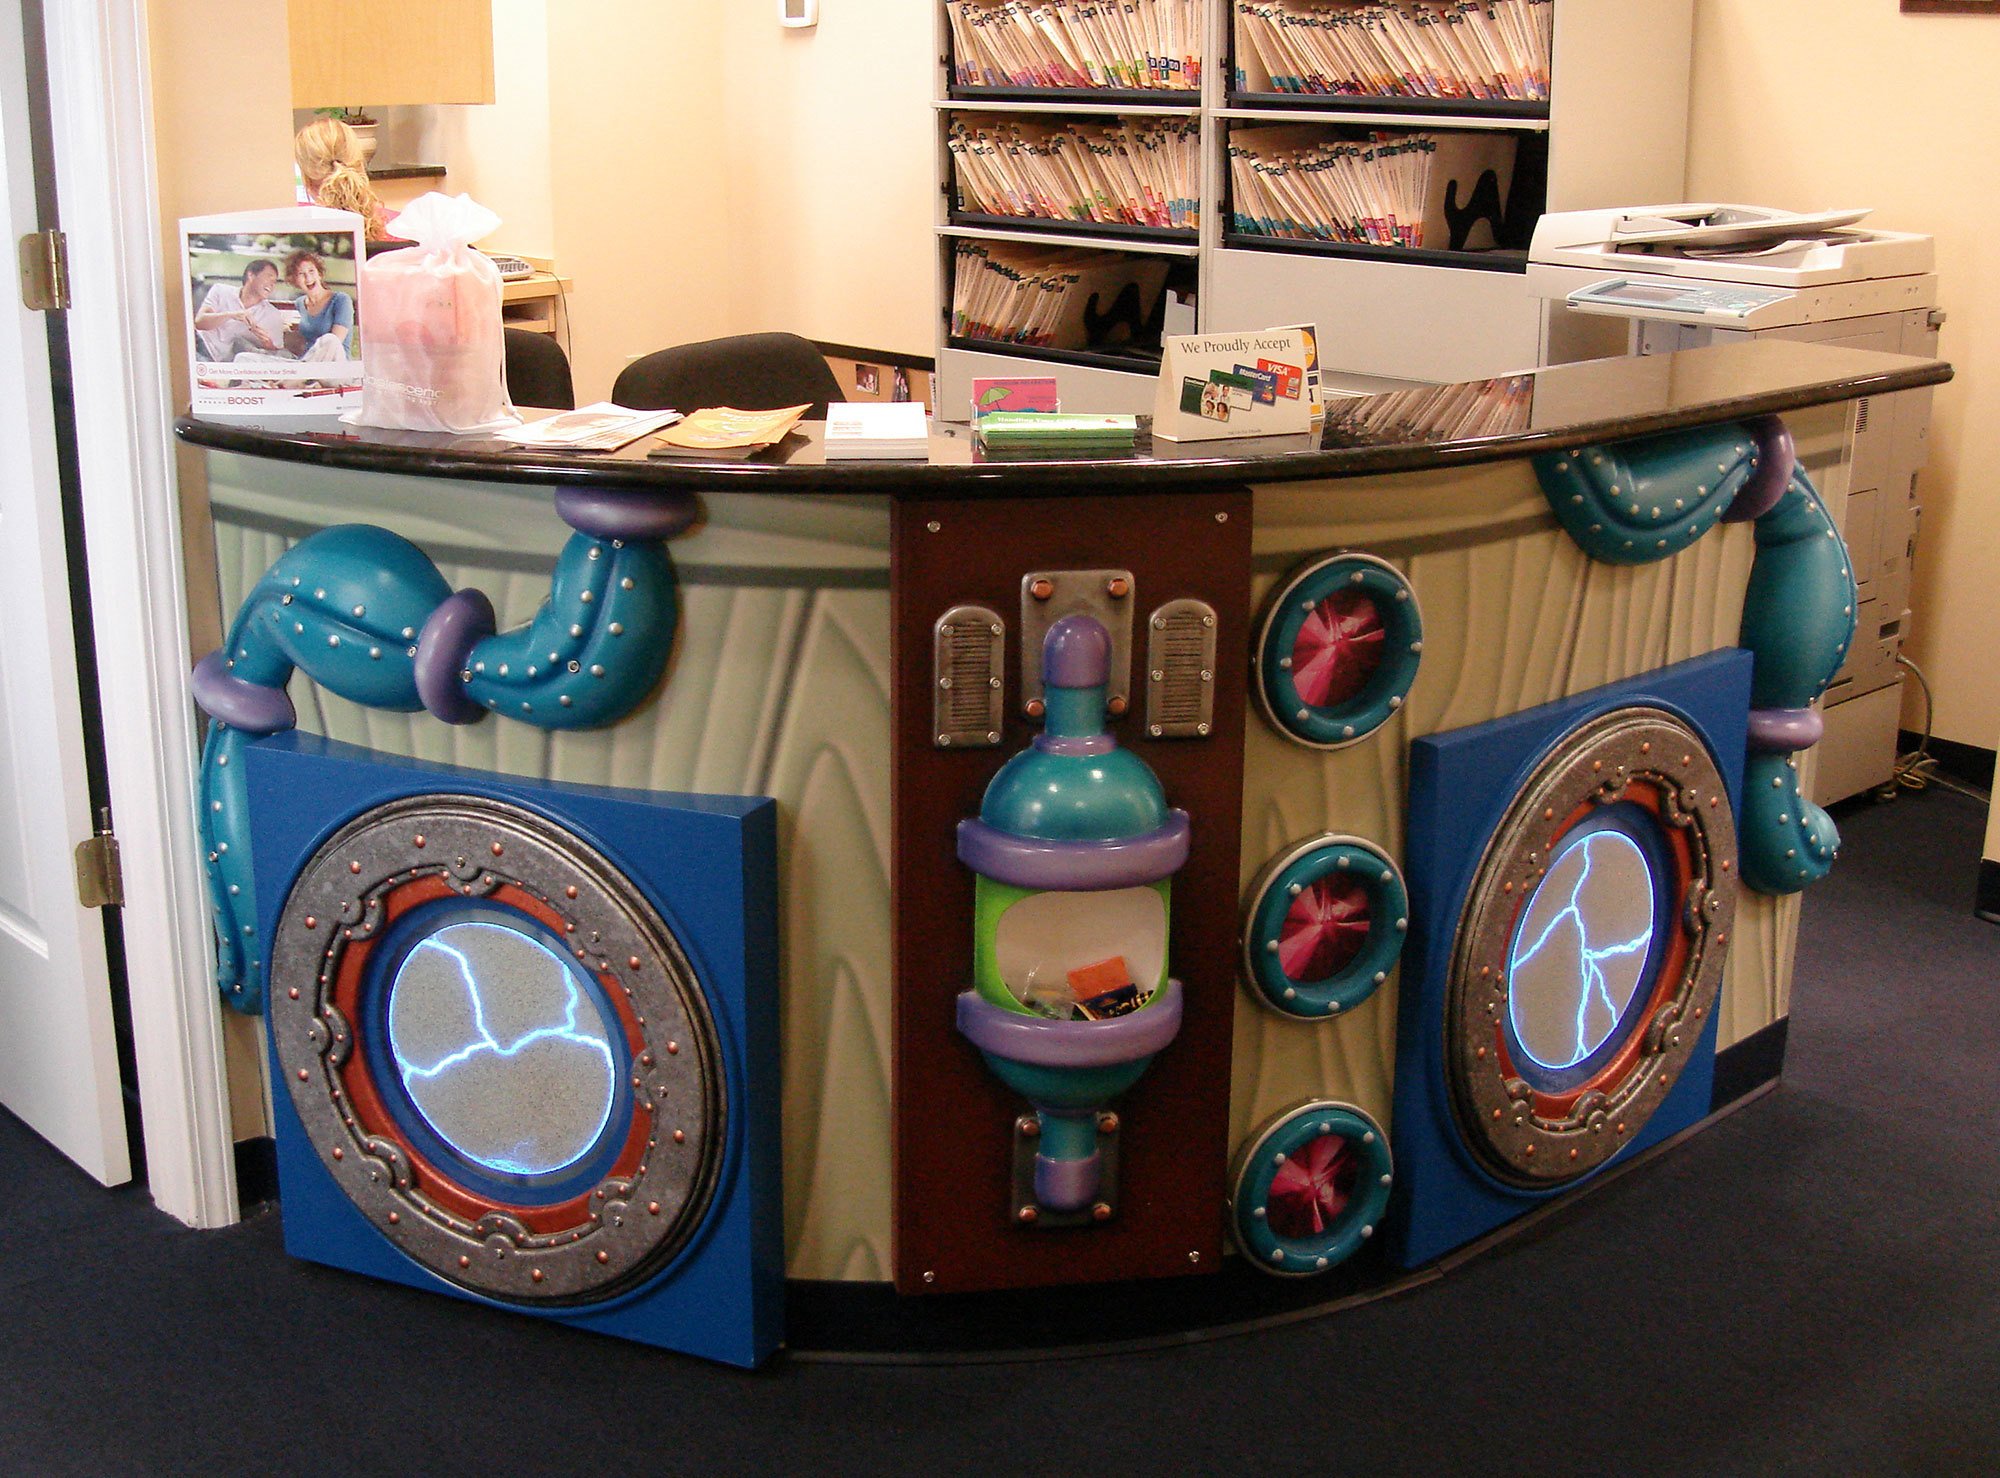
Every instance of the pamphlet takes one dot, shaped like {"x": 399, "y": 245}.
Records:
{"x": 273, "y": 315}
{"x": 603, "y": 427}
{"x": 724, "y": 428}
{"x": 1259, "y": 383}
{"x": 859, "y": 430}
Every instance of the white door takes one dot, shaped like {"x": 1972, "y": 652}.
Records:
{"x": 58, "y": 1054}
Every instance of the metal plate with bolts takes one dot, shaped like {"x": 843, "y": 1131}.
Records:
{"x": 1025, "y": 1211}
{"x": 1049, "y": 595}
{"x": 1180, "y": 670}
{"x": 967, "y": 684}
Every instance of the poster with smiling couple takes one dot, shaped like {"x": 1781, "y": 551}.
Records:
{"x": 273, "y": 314}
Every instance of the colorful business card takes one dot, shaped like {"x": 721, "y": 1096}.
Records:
{"x": 1015, "y": 393}
{"x": 1239, "y": 384}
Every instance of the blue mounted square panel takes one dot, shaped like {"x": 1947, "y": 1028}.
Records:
{"x": 526, "y": 1037}
{"x": 1572, "y": 879}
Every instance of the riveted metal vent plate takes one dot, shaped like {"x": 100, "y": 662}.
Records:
{"x": 1049, "y": 595}
{"x": 967, "y": 677}
{"x": 1180, "y": 670}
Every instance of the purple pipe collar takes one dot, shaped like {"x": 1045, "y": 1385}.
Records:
{"x": 1076, "y": 653}
{"x": 238, "y": 702}
{"x": 1776, "y": 457}
{"x": 1783, "y": 730}
{"x": 1045, "y": 1042}
{"x": 604, "y": 514}
{"x": 1068, "y": 1185}
{"x": 461, "y": 622}
{"x": 1074, "y": 867}
{"x": 1075, "y": 744}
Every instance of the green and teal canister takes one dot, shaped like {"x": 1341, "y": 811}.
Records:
{"x": 1074, "y": 849}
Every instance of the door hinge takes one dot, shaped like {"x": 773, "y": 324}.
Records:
{"x": 100, "y": 880}
{"x": 45, "y": 270}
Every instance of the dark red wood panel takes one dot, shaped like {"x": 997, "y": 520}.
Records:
{"x": 953, "y": 1119}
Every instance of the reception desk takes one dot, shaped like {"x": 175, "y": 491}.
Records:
{"x": 1441, "y": 801}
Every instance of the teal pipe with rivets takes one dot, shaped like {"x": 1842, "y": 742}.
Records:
{"x": 367, "y": 615}
{"x": 1637, "y": 501}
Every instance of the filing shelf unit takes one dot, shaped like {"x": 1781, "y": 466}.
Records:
{"x": 1616, "y": 133}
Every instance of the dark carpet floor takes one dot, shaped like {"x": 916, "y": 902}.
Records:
{"x": 1810, "y": 1286}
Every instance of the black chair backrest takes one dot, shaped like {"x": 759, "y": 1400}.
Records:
{"x": 751, "y": 372}
{"x": 538, "y": 371}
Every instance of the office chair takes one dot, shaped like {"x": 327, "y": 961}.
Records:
{"x": 538, "y": 371}
{"x": 751, "y": 372}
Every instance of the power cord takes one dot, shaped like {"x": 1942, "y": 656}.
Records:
{"x": 1918, "y": 769}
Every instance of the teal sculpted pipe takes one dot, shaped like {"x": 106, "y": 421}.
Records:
{"x": 364, "y": 612}
{"x": 1636, "y": 501}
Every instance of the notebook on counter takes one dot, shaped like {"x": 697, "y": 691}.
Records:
{"x": 888, "y": 431}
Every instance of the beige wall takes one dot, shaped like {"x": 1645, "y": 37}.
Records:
{"x": 829, "y": 169}
{"x": 1849, "y": 102}
{"x": 637, "y": 179}
{"x": 216, "y": 155}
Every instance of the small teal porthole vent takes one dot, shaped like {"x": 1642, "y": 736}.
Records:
{"x": 1309, "y": 1187}
{"x": 1338, "y": 650}
{"x": 1324, "y": 927}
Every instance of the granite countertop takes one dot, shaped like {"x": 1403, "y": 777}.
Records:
{"x": 1565, "y": 405}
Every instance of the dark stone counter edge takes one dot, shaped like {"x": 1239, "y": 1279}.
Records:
{"x": 1023, "y": 478}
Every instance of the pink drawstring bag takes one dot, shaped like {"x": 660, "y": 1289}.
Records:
{"x": 433, "y": 357}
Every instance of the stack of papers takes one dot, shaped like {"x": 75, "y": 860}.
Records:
{"x": 1056, "y": 429}
{"x": 602, "y": 427}
{"x": 863, "y": 430}
{"x": 723, "y": 429}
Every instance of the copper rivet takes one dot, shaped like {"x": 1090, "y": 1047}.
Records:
{"x": 1596, "y": 765}
{"x": 1036, "y": 708}
{"x": 679, "y": 1137}
{"x": 570, "y": 891}
{"x": 604, "y": 1257}
{"x": 465, "y": 1262}
{"x": 1496, "y": 1113}
{"x": 1527, "y": 1149}
{"x": 1100, "y": 1212}
{"x": 395, "y": 1217}
{"x": 1026, "y": 1213}
{"x": 311, "y": 922}
{"x": 293, "y": 992}
{"x": 536, "y": 1274}
{"x": 1572, "y": 1154}
{"x": 673, "y": 1048}
{"x": 1621, "y": 1128}
{"x": 339, "y": 1153}
{"x": 1042, "y": 589}
{"x": 632, "y": 963}
{"x": 654, "y": 1207}
{"x": 646, "y": 1060}
{"x": 354, "y": 867}
{"x": 303, "y": 1075}
{"x": 1548, "y": 813}
{"x": 498, "y": 850}
{"x": 1118, "y": 587}
{"x": 1482, "y": 1052}
{"x": 417, "y": 840}
{"x": 1646, "y": 748}
{"x": 1116, "y": 706}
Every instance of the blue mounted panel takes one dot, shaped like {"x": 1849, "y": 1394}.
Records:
{"x": 524, "y": 1039}
{"x": 1640, "y": 780}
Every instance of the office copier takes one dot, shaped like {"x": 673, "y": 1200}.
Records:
{"x": 1683, "y": 276}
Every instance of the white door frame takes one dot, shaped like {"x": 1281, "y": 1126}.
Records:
{"x": 101, "y": 105}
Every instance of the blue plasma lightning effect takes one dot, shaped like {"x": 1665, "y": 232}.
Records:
{"x": 1626, "y": 888}
{"x": 480, "y": 1114}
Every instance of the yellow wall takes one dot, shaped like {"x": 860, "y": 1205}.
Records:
{"x": 1810, "y": 103}
{"x": 214, "y": 157}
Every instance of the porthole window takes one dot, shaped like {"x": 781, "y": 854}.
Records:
{"x": 1325, "y": 924}
{"x": 1338, "y": 650}
{"x": 1309, "y": 1188}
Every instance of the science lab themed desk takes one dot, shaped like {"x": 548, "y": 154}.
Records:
{"x": 1001, "y": 902}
